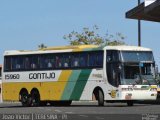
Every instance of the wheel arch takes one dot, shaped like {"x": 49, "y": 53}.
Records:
{"x": 95, "y": 92}
{"x": 21, "y": 91}
{"x": 35, "y": 89}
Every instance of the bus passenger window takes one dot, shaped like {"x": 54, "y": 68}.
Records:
{"x": 7, "y": 64}
{"x": 26, "y": 61}
{"x": 65, "y": 64}
{"x": 66, "y": 60}
{"x": 58, "y": 62}
{"x": 18, "y": 66}
{"x": 99, "y": 59}
{"x": 92, "y": 59}
{"x": 83, "y": 60}
{"x": 75, "y": 60}
{"x": 50, "y": 61}
{"x": 33, "y": 65}
{"x": 17, "y": 63}
{"x": 34, "y": 62}
{"x": 49, "y": 64}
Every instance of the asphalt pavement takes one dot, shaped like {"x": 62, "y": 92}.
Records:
{"x": 81, "y": 110}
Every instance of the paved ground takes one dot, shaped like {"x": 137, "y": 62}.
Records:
{"x": 84, "y": 110}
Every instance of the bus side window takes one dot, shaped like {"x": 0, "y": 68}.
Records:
{"x": 33, "y": 65}
{"x": 95, "y": 59}
{"x": 49, "y": 64}
{"x": 53, "y": 62}
{"x": 18, "y": 66}
{"x": 7, "y": 64}
{"x": 27, "y": 63}
{"x": 66, "y": 60}
{"x": 46, "y": 61}
{"x": 99, "y": 59}
{"x": 75, "y": 60}
{"x": 92, "y": 59}
{"x": 17, "y": 63}
{"x": 49, "y": 61}
{"x": 58, "y": 62}
{"x": 76, "y": 63}
{"x": 83, "y": 60}
{"x": 34, "y": 62}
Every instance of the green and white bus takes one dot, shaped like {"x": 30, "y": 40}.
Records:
{"x": 60, "y": 75}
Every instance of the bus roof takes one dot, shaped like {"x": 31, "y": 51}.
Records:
{"x": 53, "y": 50}
{"x": 70, "y": 47}
{"x": 127, "y": 48}
{"x": 75, "y": 49}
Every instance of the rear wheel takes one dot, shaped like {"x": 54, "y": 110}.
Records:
{"x": 100, "y": 98}
{"x": 35, "y": 97}
{"x": 25, "y": 99}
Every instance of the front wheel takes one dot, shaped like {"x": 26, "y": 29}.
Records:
{"x": 100, "y": 98}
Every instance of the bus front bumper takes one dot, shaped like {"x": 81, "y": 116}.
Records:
{"x": 138, "y": 95}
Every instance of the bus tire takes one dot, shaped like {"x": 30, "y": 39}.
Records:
{"x": 130, "y": 103}
{"x": 35, "y": 98}
{"x": 100, "y": 98}
{"x": 25, "y": 99}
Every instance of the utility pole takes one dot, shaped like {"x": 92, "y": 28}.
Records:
{"x": 139, "y": 28}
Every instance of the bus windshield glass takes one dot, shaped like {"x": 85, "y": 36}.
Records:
{"x": 138, "y": 68}
{"x": 137, "y": 56}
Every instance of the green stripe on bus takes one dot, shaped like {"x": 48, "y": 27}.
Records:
{"x": 80, "y": 84}
{"x": 70, "y": 85}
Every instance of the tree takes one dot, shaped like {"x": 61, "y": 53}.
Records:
{"x": 118, "y": 39}
{"x": 88, "y": 36}
{"x": 42, "y": 45}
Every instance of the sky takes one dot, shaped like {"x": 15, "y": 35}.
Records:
{"x": 25, "y": 24}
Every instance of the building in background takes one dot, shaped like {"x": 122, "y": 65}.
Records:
{"x": 148, "y": 10}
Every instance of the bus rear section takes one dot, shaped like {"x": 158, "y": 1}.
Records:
{"x": 53, "y": 76}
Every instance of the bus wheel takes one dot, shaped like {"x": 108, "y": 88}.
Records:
{"x": 35, "y": 97}
{"x": 130, "y": 103}
{"x": 25, "y": 99}
{"x": 100, "y": 98}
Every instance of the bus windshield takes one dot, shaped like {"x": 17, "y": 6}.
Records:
{"x": 137, "y": 68}
{"x": 135, "y": 74}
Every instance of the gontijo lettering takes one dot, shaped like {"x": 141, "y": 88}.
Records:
{"x": 42, "y": 75}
